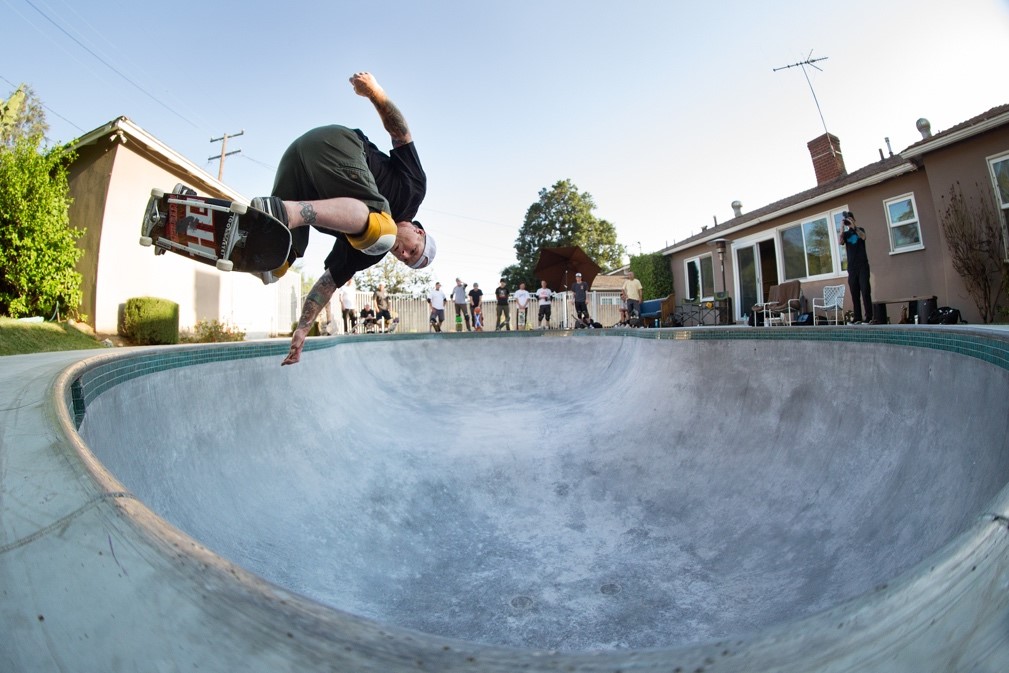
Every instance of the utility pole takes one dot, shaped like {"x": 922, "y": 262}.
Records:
{"x": 811, "y": 62}
{"x": 224, "y": 151}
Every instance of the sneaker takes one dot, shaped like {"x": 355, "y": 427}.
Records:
{"x": 184, "y": 190}
{"x": 271, "y": 205}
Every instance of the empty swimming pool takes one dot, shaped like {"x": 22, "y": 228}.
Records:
{"x": 715, "y": 498}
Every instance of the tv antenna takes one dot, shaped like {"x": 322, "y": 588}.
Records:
{"x": 811, "y": 62}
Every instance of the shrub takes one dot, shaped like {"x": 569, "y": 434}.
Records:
{"x": 212, "y": 331}
{"x": 150, "y": 320}
{"x": 977, "y": 247}
{"x": 655, "y": 274}
{"x": 38, "y": 247}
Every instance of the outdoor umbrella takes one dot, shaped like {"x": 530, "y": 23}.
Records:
{"x": 558, "y": 266}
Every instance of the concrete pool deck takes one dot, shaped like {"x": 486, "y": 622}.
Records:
{"x": 578, "y": 542}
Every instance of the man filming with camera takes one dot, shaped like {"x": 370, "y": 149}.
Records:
{"x": 852, "y": 237}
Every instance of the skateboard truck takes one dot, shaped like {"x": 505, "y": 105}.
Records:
{"x": 154, "y": 217}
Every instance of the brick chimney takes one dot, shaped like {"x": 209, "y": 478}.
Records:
{"x": 827, "y": 160}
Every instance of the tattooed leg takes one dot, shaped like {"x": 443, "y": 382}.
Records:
{"x": 338, "y": 214}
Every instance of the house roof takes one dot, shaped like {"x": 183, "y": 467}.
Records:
{"x": 993, "y": 118}
{"x": 125, "y": 131}
{"x": 868, "y": 175}
{"x": 603, "y": 283}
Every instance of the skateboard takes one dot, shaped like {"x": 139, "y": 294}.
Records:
{"x": 226, "y": 234}
{"x": 520, "y": 319}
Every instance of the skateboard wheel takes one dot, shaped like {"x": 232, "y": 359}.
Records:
{"x": 239, "y": 208}
{"x": 157, "y": 193}
{"x": 225, "y": 264}
{"x": 146, "y": 241}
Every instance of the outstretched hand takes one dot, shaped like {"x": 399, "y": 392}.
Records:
{"x": 366, "y": 85}
{"x": 297, "y": 344}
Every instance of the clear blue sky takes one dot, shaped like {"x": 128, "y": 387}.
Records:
{"x": 664, "y": 114}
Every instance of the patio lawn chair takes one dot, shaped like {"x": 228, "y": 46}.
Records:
{"x": 831, "y": 306}
{"x": 783, "y": 300}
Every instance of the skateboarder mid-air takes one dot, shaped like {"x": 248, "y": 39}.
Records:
{"x": 336, "y": 180}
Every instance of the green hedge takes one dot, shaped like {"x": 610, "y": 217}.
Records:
{"x": 655, "y": 274}
{"x": 150, "y": 320}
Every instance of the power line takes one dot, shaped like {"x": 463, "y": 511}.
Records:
{"x": 256, "y": 161}
{"x": 467, "y": 217}
{"x": 111, "y": 67}
{"x": 15, "y": 86}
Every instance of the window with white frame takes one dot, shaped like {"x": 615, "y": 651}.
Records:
{"x": 902, "y": 219}
{"x": 808, "y": 248}
{"x": 700, "y": 278}
{"x": 999, "y": 167}
{"x": 842, "y": 252}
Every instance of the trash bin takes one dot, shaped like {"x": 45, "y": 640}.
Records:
{"x": 926, "y": 307}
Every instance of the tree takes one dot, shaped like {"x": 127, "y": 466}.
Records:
{"x": 562, "y": 217}
{"x": 21, "y": 116}
{"x": 38, "y": 247}
{"x": 976, "y": 244}
{"x": 398, "y": 278}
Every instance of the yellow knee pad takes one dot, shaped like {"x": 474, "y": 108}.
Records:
{"x": 378, "y": 236}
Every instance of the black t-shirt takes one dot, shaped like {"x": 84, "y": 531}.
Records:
{"x": 399, "y": 176}
{"x": 403, "y": 183}
{"x": 857, "y": 257}
{"x": 580, "y": 290}
{"x": 502, "y": 295}
{"x": 475, "y": 295}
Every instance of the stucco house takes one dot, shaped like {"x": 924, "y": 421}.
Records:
{"x": 116, "y": 167}
{"x": 899, "y": 200}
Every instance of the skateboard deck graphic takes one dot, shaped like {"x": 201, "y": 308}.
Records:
{"x": 226, "y": 234}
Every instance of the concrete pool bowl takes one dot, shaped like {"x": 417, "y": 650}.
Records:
{"x": 819, "y": 499}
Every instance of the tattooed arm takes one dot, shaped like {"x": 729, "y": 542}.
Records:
{"x": 366, "y": 85}
{"x": 317, "y": 298}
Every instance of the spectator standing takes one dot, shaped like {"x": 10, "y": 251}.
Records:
{"x": 632, "y": 288}
{"x": 381, "y": 299}
{"x": 348, "y": 306}
{"x": 501, "y": 295}
{"x": 522, "y": 307}
{"x": 545, "y": 295}
{"x": 852, "y": 237}
{"x": 459, "y": 299}
{"x": 580, "y": 289}
{"x": 437, "y": 301}
{"x": 475, "y": 297}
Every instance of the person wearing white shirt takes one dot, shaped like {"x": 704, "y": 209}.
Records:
{"x": 544, "y": 295}
{"x": 348, "y": 304}
{"x": 437, "y": 301}
{"x": 522, "y": 306}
